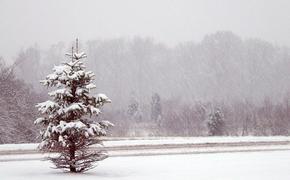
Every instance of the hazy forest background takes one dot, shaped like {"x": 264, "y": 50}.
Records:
{"x": 158, "y": 90}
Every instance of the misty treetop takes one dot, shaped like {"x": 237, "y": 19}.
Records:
{"x": 220, "y": 67}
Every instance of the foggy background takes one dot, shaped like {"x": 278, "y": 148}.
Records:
{"x": 166, "y": 65}
{"x": 24, "y": 23}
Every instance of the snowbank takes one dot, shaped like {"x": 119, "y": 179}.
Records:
{"x": 223, "y": 166}
{"x": 115, "y": 142}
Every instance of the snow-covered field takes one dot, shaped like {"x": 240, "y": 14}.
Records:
{"x": 117, "y": 142}
{"x": 221, "y": 166}
{"x": 193, "y": 140}
{"x": 161, "y": 145}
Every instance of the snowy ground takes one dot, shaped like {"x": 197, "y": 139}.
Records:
{"x": 221, "y": 166}
{"x": 117, "y": 142}
{"x": 192, "y": 140}
{"x": 161, "y": 145}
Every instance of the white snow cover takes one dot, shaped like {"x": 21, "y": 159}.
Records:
{"x": 103, "y": 98}
{"x": 63, "y": 126}
{"x": 74, "y": 107}
{"x": 62, "y": 92}
{"x": 39, "y": 120}
{"x": 60, "y": 69}
{"x": 112, "y": 142}
{"x": 46, "y": 106}
{"x": 106, "y": 123}
{"x": 94, "y": 110}
{"x": 223, "y": 166}
{"x": 90, "y": 86}
{"x": 193, "y": 140}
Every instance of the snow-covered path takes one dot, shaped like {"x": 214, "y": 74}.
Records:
{"x": 161, "y": 145}
{"x": 221, "y": 166}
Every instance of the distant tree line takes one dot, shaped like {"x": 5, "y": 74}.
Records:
{"x": 17, "y": 111}
{"x": 167, "y": 91}
{"x": 176, "y": 118}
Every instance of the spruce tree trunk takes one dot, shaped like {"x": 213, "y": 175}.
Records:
{"x": 72, "y": 158}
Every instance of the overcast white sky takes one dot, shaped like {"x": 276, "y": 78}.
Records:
{"x": 45, "y": 22}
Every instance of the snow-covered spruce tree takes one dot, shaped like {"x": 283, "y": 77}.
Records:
{"x": 69, "y": 128}
{"x": 216, "y": 124}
